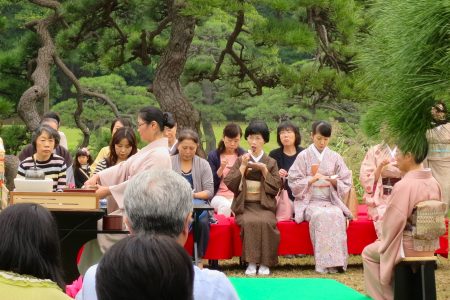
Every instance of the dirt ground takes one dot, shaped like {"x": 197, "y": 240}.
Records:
{"x": 303, "y": 267}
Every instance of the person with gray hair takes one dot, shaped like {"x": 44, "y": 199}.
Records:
{"x": 160, "y": 202}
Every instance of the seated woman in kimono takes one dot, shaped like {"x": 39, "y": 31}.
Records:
{"x": 378, "y": 175}
{"x": 319, "y": 180}
{"x": 255, "y": 182}
{"x": 197, "y": 172}
{"x": 398, "y": 238}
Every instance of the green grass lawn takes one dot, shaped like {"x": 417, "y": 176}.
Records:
{"x": 74, "y": 137}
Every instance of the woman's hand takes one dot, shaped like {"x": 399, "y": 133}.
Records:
{"x": 223, "y": 165}
{"x": 259, "y": 166}
{"x": 316, "y": 177}
{"x": 91, "y": 181}
{"x": 245, "y": 159}
{"x": 102, "y": 191}
{"x": 282, "y": 173}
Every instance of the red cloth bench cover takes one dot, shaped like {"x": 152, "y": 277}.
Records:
{"x": 225, "y": 241}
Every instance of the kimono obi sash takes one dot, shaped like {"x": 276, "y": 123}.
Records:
{"x": 439, "y": 151}
{"x": 253, "y": 191}
{"x": 388, "y": 184}
{"x": 321, "y": 190}
{"x": 426, "y": 225}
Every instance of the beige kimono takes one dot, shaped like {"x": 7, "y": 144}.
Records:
{"x": 374, "y": 195}
{"x": 380, "y": 257}
{"x": 438, "y": 159}
{"x": 259, "y": 233}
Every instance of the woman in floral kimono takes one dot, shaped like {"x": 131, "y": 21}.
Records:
{"x": 319, "y": 179}
{"x": 378, "y": 175}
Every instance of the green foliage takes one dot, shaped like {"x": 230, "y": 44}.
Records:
{"x": 6, "y": 108}
{"x": 405, "y": 60}
{"x": 14, "y": 138}
{"x": 128, "y": 99}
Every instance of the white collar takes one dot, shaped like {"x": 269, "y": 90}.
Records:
{"x": 318, "y": 154}
{"x": 258, "y": 158}
{"x": 174, "y": 144}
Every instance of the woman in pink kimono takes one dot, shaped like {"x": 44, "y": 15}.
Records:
{"x": 112, "y": 181}
{"x": 319, "y": 179}
{"x": 378, "y": 175}
{"x": 396, "y": 241}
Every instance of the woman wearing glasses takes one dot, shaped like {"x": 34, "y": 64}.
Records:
{"x": 113, "y": 181}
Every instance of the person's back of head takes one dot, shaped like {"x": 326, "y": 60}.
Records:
{"x": 158, "y": 202}
{"x": 145, "y": 267}
{"x": 29, "y": 242}
{"x": 52, "y": 115}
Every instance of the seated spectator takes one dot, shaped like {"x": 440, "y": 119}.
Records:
{"x": 30, "y": 258}
{"x": 123, "y": 145}
{"x": 289, "y": 139}
{"x": 170, "y": 132}
{"x": 221, "y": 160}
{"x": 44, "y": 140}
{"x": 28, "y": 150}
{"x": 319, "y": 180}
{"x": 55, "y": 116}
{"x": 145, "y": 267}
{"x": 396, "y": 241}
{"x": 81, "y": 167}
{"x": 197, "y": 172}
{"x": 104, "y": 152}
{"x": 159, "y": 201}
{"x": 378, "y": 175}
{"x": 255, "y": 182}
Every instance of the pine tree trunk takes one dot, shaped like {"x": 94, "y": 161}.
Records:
{"x": 208, "y": 98}
{"x": 41, "y": 77}
{"x": 166, "y": 86}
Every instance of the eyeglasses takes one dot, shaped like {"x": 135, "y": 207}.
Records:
{"x": 140, "y": 124}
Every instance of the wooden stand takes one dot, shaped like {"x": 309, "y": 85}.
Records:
{"x": 414, "y": 279}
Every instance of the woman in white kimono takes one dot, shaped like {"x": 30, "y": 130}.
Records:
{"x": 319, "y": 179}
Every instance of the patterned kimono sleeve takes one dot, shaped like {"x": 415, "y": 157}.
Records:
{"x": 367, "y": 171}
{"x": 298, "y": 182}
{"x": 344, "y": 180}
{"x": 298, "y": 178}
